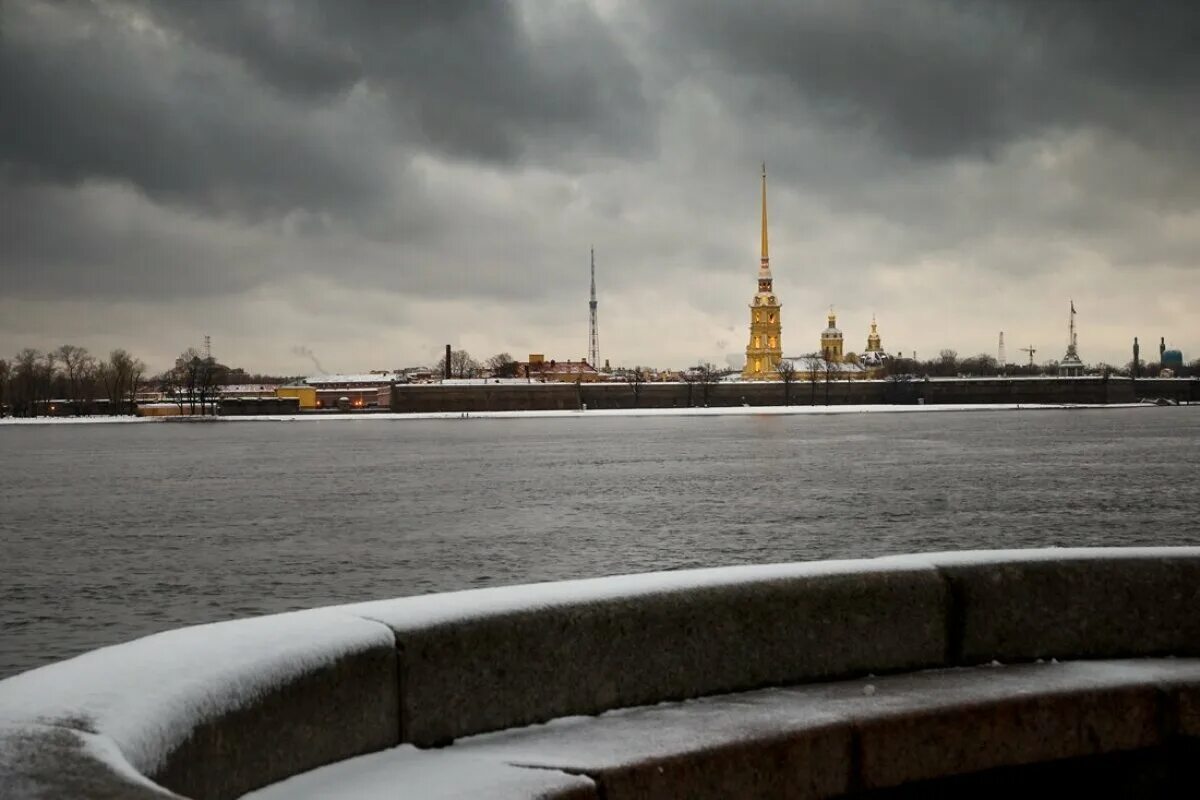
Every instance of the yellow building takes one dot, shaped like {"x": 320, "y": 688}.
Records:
{"x": 831, "y": 340}
{"x": 306, "y": 395}
{"x": 765, "y": 348}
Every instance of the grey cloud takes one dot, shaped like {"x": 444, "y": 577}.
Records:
{"x": 90, "y": 98}
{"x": 359, "y": 88}
{"x": 103, "y": 243}
{"x": 936, "y": 79}
{"x": 442, "y": 167}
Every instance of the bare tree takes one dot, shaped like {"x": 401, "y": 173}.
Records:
{"x": 24, "y": 382}
{"x": 635, "y": 378}
{"x": 828, "y": 373}
{"x": 137, "y": 373}
{"x": 461, "y": 365}
{"x": 209, "y": 376}
{"x": 709, "y": 375}
{"x": 187, "y": 375}
{"x": 46, "y": 371}
{"x": 786, "y": 369}
{"x": 501, "y": 365}
{"x": 812, "y": 360}
{"x": 947, "y": 363}
{"x": 77, "y": 366}
{"x": 120, "y": 377}
{"x": 5, "y": 378}
{"x": 170, "y": 385}
{"x": 691, "y": 377}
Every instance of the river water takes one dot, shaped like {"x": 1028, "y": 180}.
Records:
{"x": 113, "y": 531}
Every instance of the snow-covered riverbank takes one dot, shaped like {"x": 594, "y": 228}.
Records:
{"x": 608, "y": 412}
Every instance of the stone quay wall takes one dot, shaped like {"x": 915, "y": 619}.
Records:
{"x": 428, "y": 398}
{"x": 214, "y": 711}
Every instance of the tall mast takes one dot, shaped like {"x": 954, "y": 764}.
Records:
{"x": 593, "y": 334}
{"x": 1071, "y": 328}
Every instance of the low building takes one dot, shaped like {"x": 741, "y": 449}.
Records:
{"x": 352, "y": 392}
{"x": 306, "y": 396}
{"x": 248, "y": 390}
{"x": 537, "y": 368}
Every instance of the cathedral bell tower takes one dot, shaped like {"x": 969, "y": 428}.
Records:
{"x": 831, "y": 340}
{"x": 765, "y": 348}
{"x": 874, "y": 343}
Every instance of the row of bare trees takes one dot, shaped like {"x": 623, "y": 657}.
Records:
{"x": 35, "y": 383}
{"x": 71, "y": 381}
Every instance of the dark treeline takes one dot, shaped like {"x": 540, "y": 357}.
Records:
{"x": 949, "y": 365}
{"x": 70, "y": 381}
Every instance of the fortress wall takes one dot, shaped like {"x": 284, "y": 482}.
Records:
{"x": 214, "y": 710}
{"x": 426, "y": 398}
{"x": 1181, "y": 390}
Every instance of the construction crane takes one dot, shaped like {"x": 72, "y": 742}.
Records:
{"x": 1031, "y": 350}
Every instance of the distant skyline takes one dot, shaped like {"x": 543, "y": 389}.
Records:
{"x": 370, "y": 181}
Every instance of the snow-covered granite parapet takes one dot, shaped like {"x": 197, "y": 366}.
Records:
{"x": 581, "y": 647}
{"x": 1110, "y": 602}
{"x": 48, "y": 761}
{"x": 203, "y": 693}
{"x": 216, "y": 710}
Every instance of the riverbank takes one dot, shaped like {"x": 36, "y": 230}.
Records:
{"x": 724, "y": 411}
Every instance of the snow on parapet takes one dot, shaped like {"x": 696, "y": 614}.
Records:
{"x": 429, "y": 774}
{"x": 411, "y": 613}
{"x": 950, "y": 558}
{"x": 424, "y": 611}
{"x": 149, "y": 694}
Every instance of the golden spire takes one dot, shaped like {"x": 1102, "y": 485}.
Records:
{"x": 765, "y": 258}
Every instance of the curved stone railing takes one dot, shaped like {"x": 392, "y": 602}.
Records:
{"x": 217, "y": 710}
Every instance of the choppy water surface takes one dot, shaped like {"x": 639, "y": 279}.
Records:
{"x": 113, "y": 531}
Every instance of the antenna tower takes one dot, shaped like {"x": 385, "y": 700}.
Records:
{"x": 593, "y": 334}
{"x": 1002, "y": 358}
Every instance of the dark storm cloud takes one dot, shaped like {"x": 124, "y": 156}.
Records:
{"x": 939, "y": 79}
{"x": 466, "y": 77}
{"x": 87, "y": 96}
{"x": 186, "y": 118}
{"x": 264, "y": 112}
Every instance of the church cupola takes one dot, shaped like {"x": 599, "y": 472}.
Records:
{"x": 874, "y": 343}
{"x": 831, "y": 340}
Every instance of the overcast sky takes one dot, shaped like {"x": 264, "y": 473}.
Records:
{"x": 373, "y": 180}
